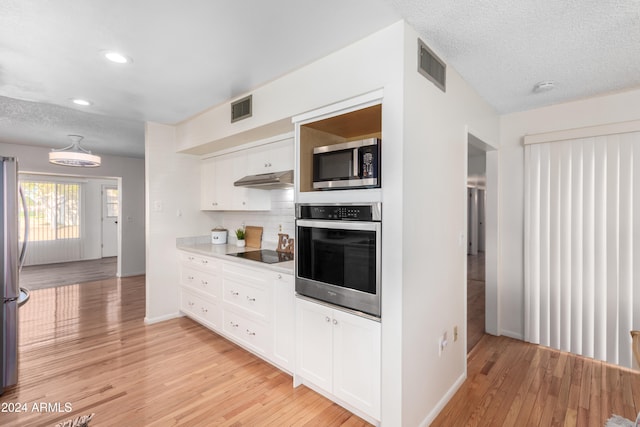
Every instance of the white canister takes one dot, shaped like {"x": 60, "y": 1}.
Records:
{"x": 219, "y": 236}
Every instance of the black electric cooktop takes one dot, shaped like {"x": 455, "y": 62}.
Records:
{"x": 267, "y": 256}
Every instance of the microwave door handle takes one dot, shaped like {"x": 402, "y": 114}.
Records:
{"x": 356, "y": 167}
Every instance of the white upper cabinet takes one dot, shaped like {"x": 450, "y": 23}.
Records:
{"x": 217, "y": 190}
{"x": 274, "y": 157}
{"x": 218, "y": 174}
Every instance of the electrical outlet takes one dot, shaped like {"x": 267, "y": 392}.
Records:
{"x": 455, "y": 333}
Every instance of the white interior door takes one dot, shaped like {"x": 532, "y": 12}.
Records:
{"x": 110, "y": 217}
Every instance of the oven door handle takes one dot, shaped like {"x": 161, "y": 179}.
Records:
{"x": 340, "y": 225}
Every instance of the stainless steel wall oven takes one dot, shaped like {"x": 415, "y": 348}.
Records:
{"x": 338, "y": 253}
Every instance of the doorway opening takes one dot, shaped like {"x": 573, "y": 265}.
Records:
{"x": 482, "y": 254}
{"x": 65, "y": 234}
{"x": 476, "y": 191}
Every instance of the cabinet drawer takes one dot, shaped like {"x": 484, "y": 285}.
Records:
{"x": 204, "y": 282}
{"x": 251, "y": 276}
{"x": 253, "y": 300}
{"x": 201, "y": 262}
{"x": 201, "y": 310}
{"x": 252, "y": 334}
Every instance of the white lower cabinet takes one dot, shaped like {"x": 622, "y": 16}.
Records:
{"x": 339, "y": 353}
{"x": 254, "y": 307}
{"x": 201, "y": 309}
{"x": 284, "y": 321}
{"x": 247, "y": 332}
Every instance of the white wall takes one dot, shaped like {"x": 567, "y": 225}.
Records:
{"x": 436, "y": 125}
{"x": 359, "y": 68}
{"x": 477, "y": 165}
{"x": 281, "y": 214}
{"x": 173, "y": 200}
{"x": 129, "y": 169}
{"x": 601, "y": 110}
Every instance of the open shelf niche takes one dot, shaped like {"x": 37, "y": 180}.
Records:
{"x": 352, "y": 126}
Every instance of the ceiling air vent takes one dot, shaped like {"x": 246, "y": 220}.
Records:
{"x": 432, "y": 67}
{"x": 241, "y": 109}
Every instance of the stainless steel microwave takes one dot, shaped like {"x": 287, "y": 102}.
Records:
{"x": 354, "y": 164}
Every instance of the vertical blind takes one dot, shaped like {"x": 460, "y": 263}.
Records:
{"x": 55, "y": 221}
{"x": 582, "y": 245}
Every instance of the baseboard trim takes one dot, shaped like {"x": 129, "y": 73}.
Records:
{"x": 443, "y": 402}
{"x": 511, "y": 334}
{"x": 141, "y": 273}
{"x": 152, "y": 320}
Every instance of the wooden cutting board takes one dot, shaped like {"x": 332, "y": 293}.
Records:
{"x": 253, "y": 236}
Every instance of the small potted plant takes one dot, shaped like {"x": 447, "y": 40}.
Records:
{"x": 240, "y": 237}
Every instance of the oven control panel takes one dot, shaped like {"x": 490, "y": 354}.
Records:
{"x": 364, "y": 212}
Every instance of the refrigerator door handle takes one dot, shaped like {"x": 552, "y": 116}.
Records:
{"x": 23, "y": 251}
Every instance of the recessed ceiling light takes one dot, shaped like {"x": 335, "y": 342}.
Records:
{"x": 545, "y": 86}
{"x": 117, "y": 57}
{"x": 82, "y": 102}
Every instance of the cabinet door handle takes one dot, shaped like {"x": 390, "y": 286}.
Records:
{"x": 335, "y": 322}
{"x": 327, "y": 319}
{"x": 204, "y": 282}
{"x": 204, "y": 261}
{"x": 190, "y": 277}
{"x": 279, "y": 276}
{"x": 204, "y": 310}
{"x": 250, "y": 333}
{"x": 233, "y": 325}
{"x": 191, "y": 258}
{"x": 234, "y": 293}
{"x": 191, "y": 304}
{"x": 251, "y": 299}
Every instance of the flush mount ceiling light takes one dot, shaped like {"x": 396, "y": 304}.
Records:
{"x": 82, "y": 102}
{"x": 74, "y": 155}
{"x": 117, "y": 57}
{"x": 545, "y": 86}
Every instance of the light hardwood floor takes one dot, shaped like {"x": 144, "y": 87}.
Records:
{"x": 66, "y": 273}
{"x": 512, "y": 383}
{"x": 87, "y": 345}
{"x": 475, "y": 299}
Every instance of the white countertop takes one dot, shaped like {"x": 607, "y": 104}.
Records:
{"x": 221, "y": 251}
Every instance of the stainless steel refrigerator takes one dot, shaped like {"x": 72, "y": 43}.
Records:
{"x": 11, "y": 257}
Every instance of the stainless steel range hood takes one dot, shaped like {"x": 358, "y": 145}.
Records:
{"x": 267, "y": 181}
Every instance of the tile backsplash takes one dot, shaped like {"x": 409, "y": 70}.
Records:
{"x": 281, "y": 214}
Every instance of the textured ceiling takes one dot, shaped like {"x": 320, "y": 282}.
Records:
{"x": 504, "y": 47}
{"x": 193, "y": 54}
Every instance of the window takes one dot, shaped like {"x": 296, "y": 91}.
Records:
{"x": 54, "y": 210}
{"x": 112, "y": 202}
